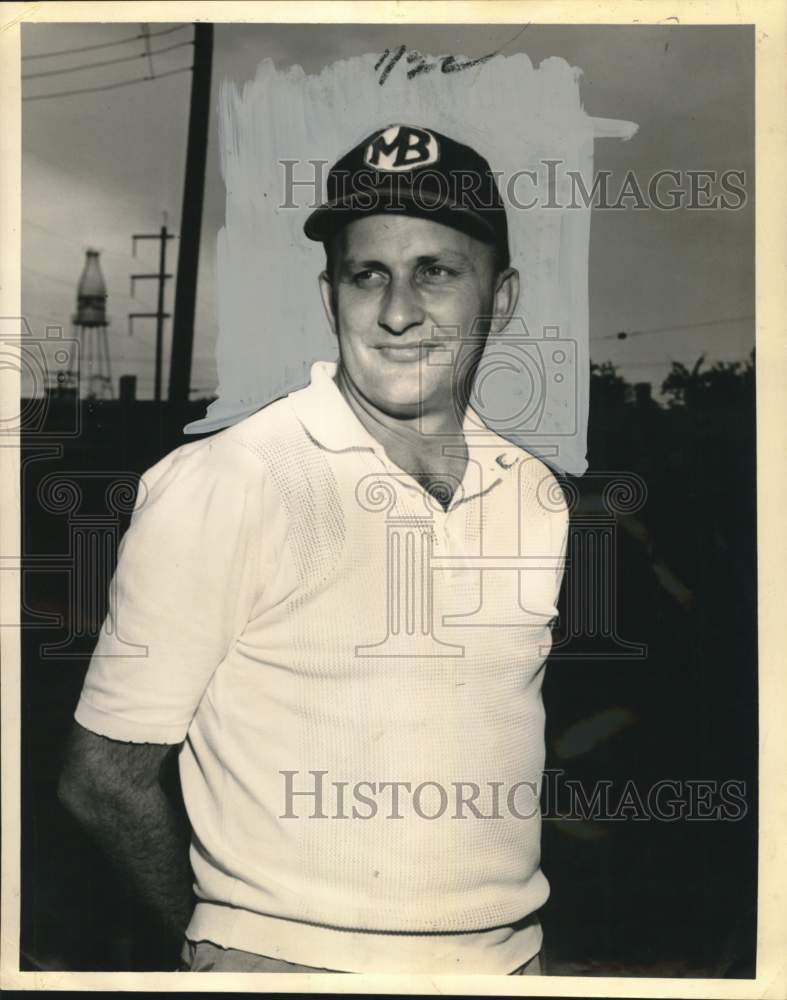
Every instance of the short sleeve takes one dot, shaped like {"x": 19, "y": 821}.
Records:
{"x": 554, "y": 509}
{"x": 188, "y": 572}
{"x": 560, "y": 528}
{"x": 544, "y": 528}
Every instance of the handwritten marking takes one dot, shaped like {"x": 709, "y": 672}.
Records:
{"x": 421, "y": 65}
{"x": 394, "y": 60}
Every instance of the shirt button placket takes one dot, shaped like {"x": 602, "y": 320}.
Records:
{"x": 448, "y": 520}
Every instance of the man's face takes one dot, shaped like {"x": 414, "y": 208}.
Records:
{"x": 397, "y": 282}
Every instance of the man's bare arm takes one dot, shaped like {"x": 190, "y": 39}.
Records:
{"x": 115, "y": 791}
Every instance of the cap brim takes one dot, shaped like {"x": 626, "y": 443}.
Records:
{"x": 329, "y": 218}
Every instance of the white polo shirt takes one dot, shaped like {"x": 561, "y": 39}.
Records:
{"x": 356, "y": 673}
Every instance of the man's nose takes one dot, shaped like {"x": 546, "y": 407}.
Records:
{"x": 401, "y": 308}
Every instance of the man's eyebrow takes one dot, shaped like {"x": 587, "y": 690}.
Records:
{"x": 455, "y": 256}
{"x": 351, "y": 264}
{"x": 356, "y": 264}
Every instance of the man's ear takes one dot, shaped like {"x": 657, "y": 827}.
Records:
{"x": 506, "y": 298}
{"x": 326, "y": 293}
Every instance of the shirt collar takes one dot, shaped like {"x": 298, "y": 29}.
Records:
{"x": 330, "y": 421}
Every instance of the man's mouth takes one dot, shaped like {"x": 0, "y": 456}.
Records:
{"x": 402, "y": 353}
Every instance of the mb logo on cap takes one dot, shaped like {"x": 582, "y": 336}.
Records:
{"x": 417, "y": 171}
{"x": 402, "y": 147}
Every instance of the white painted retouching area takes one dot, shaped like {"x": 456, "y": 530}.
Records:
{"x": 533, "y": 382}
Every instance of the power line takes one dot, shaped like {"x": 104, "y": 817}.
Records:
{"x": 77, "y": 243}
{"x": 70, "y": 283}
{"x": 207, "y": 302}
{"x": 51, "y": 232}
{"x": 103, "y": 45}
{"x": 109, "y": 86}
{"x": 146, "y": 33}
{"x": 626, "y": 335}
{"x": 104, "y": 62}
{"x": 49, "y": 277}
{"x": 661, "y": 364}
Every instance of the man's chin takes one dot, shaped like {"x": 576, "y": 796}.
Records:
{"x": 403, "y": 407}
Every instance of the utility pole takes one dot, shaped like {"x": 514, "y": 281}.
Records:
{"x": 161, "y": 276}
{"x": 191, "y": 217}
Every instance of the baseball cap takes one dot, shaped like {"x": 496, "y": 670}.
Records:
{"x": 411, "y": 170}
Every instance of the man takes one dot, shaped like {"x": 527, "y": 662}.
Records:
{"x": 302, "y": 606}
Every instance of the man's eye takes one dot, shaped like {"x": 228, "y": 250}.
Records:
{"x": 368, "y": 279}
{"x": 436, "y": 272}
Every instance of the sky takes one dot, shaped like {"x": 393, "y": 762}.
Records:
{"x": 100, "y": 166}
